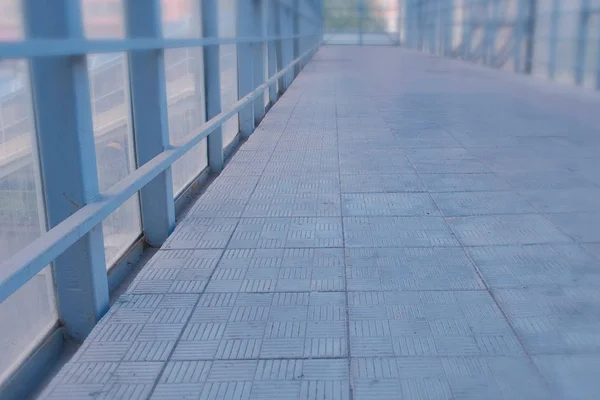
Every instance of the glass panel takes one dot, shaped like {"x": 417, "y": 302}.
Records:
{"x": 185, "y": 88}
{"x": 228, "y": 64}
{"x": 31, "y": 311}
{"x": 11, "y": 23}
{"x": 109, "y": 87}
{"x": 115, "y": 157}
{"x": 103, "y": 18}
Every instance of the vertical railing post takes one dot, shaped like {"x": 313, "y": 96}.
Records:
{"x": 420, "y": 28}
{"x": 581, "y": 42}
{"x": 258, "y": 58}
{"x": 467, "y": 34}
{"x": 449, "y": 28}
{"x": 288, "y": 44}
{"x": 519, "y": 34}
{"x": 399, "y": 22}
{"x": 245, "y": 60}
{"x": 61, "y": 95}
{"x": 150, "y": 118}
{"x": 598, "y": 59}
{"x": 271, "y": 18}
{"x": 361, "y": 20}
{"x": 296, "y": 29}
{"x": 280, "y": 43}
{"x": 212, "y": 82}
{"x": 554, "y": 18}
{"x": 530, "y": 42}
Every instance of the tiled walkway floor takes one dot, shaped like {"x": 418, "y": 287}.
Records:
{"x": 399, "y": 227}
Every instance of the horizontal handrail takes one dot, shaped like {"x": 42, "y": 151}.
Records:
{"x": 78, "y": 47}
{"x": 25, "y": 264}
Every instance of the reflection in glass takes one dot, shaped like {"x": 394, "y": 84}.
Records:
{"x": 228, "y": 64}
{"x": 109, "y": 90}
{"x": 185, "y": 88}
{"x": 31, "y": 311}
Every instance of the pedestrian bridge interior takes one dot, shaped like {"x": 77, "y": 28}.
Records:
{"x": 302, "y": 199}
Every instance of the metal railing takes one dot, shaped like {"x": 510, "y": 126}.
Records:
{"x": 553, "y": 39}
{"x": 275, "y": 39}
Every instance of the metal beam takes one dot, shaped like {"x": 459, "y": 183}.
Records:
{"x": 530, "y": 41}
{"x": 63, "y": 114}
{"x": 580, "y": 55}
{"x": 554, "y": 19}
{"x": 271, "y": 18}
{"x": 258, "y": 57}
{"x": 212, "y": 82}
{"x": 150, "y": 119}
{"x": 26, "y": 263}
{"x": 245, "y": 60}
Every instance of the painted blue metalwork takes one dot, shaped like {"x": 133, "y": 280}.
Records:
{"x": 554, "y": 19}
{"x": 361, "y": 17}
{"x": 280, "y": 44}
{"x": 81, "y": 46}
{"x": 272, "y": 16}
{"x": 520, "y": 29}
{"x": 580, "y": 54}
{"x": 530, "y": 39}
{"x": 467, "y": 34}
{"x": 150, "y": 119}
{"x": 58, "y": 51}
{"x": 258, "y": 57}
{"x": 212, "y": 83}
{"x": 67, "y": 155}
{"x": 245, "y": 64}
{"x": 596, "y": 11}
{"x": 33, "y": 258}
{"x": 448, "y": 48}
{"x": 296, "y": 41}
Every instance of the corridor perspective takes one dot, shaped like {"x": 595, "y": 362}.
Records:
{"x": 399, "y": 226}
{"x": 299, "y": 199}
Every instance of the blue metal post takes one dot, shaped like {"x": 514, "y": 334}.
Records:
{"x": 582, "y": 42}
{"x": 494, "y": 23}
{"x": 61, "y": 96}
{"x": 519, "y": 34}
{"x": 296, "y": 30}
{"x": 598, "y": 59}
{"x": 245, "y": 60}
{"x": 272, "y": 17}
{"x": 361, "y": 18}
{"x": 555, "y": 15}
{"x": 280, "y": 44}
{"x": 530, "y": 41}
{"x": 150, "y": 118}
{"x": 449, "y": 27}
{"x": 467, "y": 34}
{"x": 258, "y": 61}
{"x": 212, "y": 83}
{"x": 288, "y": 44}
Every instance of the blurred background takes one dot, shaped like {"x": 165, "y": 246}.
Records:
{"x": 550, "y": 39}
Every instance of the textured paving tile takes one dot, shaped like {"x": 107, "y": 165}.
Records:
{"x": 536, "y": 265}
{"x": 463, "y": 182}
{"x": 397, "y": 232}
{"x": 571, "y": 377}
{"x": 287, "y": 232}
{"x": 564, "y": 200}
{"x": 387, "y": 183}
{"x": 385, "y": 233}
{"x": 390, "y": 269}
{"x": 553, "y": 320}
{"x": 481, "y": 203}
{"x": 506, "y": 229}
{"x": 582, "y": 227}
{"x": 396, "y": 204}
